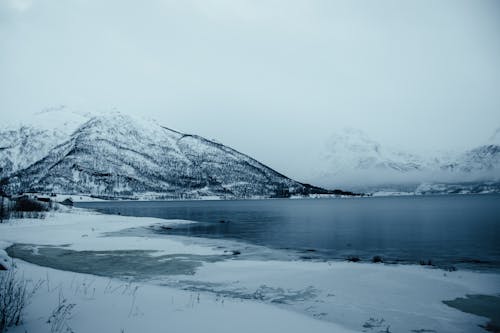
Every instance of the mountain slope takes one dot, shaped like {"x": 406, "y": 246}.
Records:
{"x": 352, "y": 149}
{"x": 23, "y": 145}
{"x": 354, "y": 160}
{"x": 117, "y": 155}
{"x": 483, "y": 160}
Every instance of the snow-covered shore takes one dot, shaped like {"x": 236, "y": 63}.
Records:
{"x": 225, "y": 293}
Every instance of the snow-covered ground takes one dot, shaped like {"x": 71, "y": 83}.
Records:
{"x": 226, "y": 293}
{"x": 75, "y": 198}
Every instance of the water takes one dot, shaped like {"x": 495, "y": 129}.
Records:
{"x": 462, "y": 231}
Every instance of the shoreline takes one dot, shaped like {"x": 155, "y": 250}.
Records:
{"x": 338, "y": 293}
{"x": 96, "y": 199}
{"x": 243, "y": 221}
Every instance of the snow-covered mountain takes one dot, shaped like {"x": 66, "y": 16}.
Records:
{"x": 23, "y": 144}
{"x": 122, "y": 156}
{"x": 483, "y": 161}
{"x": 354, "y": 160}
{"x": 352, "y": 149}
{"x": 116, "y": 155}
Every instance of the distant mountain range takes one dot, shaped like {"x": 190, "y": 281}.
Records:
{"x": 115, "y": 155}
{"x": 354, "y": 160}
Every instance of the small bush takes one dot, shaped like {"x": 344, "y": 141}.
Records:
{"x": 25, "y": 207}
{"x": 58, "y": 320}
{"x": 4, "y": 208}
{"x": 353, "y": 259}
{"x": 14, "y": 296}
{"x": 29, "y": 205}
{"x": 426, "y": 263}
{"x": 377, "y": 259}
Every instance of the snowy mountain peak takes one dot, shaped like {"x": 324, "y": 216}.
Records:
{"x": 352, "y": 140}
{"x": 114, "y": 155}
{"x": 58, "y": 119}
{"x": 353, "y": 159}
{"x": 352, "y": 149}
{"x": 25, "y": 143}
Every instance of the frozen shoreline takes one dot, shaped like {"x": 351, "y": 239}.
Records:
{"x": 257, "y": 295}
{"x": 85, "y": 198}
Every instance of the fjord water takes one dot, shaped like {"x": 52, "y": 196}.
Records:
{"x": 462, "y": 231}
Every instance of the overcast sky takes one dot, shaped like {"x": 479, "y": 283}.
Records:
{"x": 271, "y": 78}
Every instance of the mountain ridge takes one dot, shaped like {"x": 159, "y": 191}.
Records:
{"x": 124, "y": 156}
{"x": 356, "y": 161}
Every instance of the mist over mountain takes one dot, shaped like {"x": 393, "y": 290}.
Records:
{"x": 354, "y": 160}
{"x": 118, "y": 155}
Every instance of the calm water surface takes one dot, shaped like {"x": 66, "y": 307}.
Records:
{"x": 461, "y": 231}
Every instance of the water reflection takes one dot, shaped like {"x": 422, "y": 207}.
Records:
{"x": 448, "y": 230}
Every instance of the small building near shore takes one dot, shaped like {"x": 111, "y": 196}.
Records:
{"x": 67, "y": 202}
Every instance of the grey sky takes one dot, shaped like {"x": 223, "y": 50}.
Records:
{"x": 271, "y": 78}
